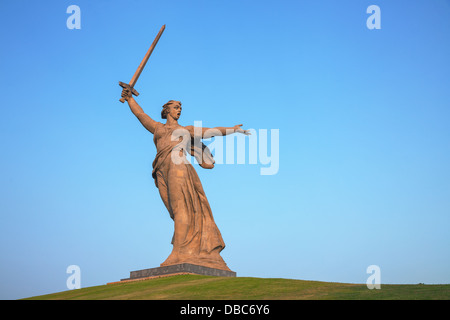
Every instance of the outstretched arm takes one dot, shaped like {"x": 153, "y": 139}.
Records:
{"x": 146, "y": 121}
{"x": 217, "y": 131}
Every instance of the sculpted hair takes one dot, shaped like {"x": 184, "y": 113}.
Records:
{"x": 165, "y": 109}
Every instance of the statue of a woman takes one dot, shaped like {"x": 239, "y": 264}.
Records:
{"x": 196, "y": 238}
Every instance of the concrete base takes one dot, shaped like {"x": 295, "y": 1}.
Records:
{"x": 179, "y": 269}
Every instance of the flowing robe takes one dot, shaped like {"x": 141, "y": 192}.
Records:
{"x": 196, "y": 238}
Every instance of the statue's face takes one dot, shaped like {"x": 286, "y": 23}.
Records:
{"x": 175, "y": 110}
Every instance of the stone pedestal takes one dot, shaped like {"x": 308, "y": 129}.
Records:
{"x": 185, "y": 268}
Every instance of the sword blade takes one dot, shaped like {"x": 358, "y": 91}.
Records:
{"x": 147, "y": 55}
{"x": 141, "y": 66}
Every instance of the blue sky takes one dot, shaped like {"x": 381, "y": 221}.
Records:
{"x": 364, "y": 140}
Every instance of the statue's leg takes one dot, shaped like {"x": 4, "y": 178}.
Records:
{"x": 180, "y": 203}
{"x": 163, "y": 192}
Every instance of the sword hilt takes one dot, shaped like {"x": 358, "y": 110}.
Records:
{"x": 127, "y": 86}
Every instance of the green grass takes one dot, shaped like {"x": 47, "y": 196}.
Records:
{"x": 195, "y": 287}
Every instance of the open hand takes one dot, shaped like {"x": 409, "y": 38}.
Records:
{"x": 237, "y": 128}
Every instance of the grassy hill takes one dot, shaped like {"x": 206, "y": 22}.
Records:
{"x": 196, "y": 287}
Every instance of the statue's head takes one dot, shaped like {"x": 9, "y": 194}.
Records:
{"x": 172, "y": 108}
